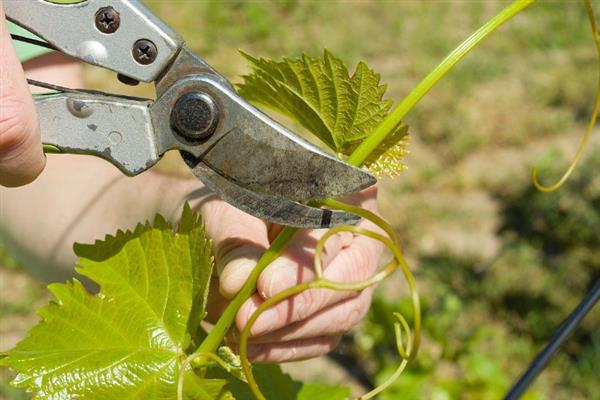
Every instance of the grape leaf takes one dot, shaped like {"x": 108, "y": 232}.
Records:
{"x": 320, "y": 391}
{"x": 320, "y": 94}
{"x": 127, "y": 341}
{"x": 275, "y": 384}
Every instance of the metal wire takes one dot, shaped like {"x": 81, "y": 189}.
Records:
{"x": 558, "y": 339}
{"x": 51, "y": 86}
{"x": 36, "y": 42}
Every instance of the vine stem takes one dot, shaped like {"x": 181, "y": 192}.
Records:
{"x": 409, "y": 102}
{"x": 218, "y": 332}
{"x": 216, "y": 335}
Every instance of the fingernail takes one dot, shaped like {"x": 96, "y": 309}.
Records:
{"x": 267, "y": 321}
{"x": 281, "y": 275}
{"x": 234, "y": 275}
{"x": 346, "y": 239}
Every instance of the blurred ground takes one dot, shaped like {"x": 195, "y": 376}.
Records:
{"x": 522, "y": 97}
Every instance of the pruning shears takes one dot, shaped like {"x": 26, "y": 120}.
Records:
{"x": 244, "y": 156}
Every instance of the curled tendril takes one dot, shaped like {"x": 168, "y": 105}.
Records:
{"x": 593, "y": 117}
{"x": 406, "y": 349}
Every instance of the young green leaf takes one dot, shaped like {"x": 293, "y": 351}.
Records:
{"x": 232, "y": 361}
{"x": 339, "y": 108}
{"x": 128, "y": 341}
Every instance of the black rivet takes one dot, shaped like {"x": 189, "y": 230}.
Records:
{"x": 144, "y": 51}
{"x": 195, "y": 116}
{"x": 127, "y": 80}
{"x": 107, "y": 20}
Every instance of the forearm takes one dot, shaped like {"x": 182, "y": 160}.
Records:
{"x": 77, "y": 198}
{"x": 80, "y": 199}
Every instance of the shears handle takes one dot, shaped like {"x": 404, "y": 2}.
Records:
{"x": 120, "y": 35}
{"x": 116, "y": 129}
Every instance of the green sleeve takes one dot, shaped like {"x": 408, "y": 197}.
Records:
{"x": 26, "y": 51}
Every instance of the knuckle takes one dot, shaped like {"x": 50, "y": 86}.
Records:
{"x": 279, "y": 276}
{"x": 364, "y": 264}
{"x": 308, "y": 302}
{"x": 14, "y": 129}
{"x": 356, "y": 312}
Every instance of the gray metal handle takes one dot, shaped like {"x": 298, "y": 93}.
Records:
{"x": 74, "y": 30}
{"x": 116, "y": 129}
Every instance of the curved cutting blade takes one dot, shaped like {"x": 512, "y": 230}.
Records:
{"x": 272, "y": 208}
{"x": 257, "y": 153}
{"x": 250, "y": 160}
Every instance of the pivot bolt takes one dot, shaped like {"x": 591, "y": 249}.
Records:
{"x": 195, "y": 116}
{"x": 144, "y": 52}
{"x": 107, "y": 20}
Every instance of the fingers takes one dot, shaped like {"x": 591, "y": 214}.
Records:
{"x": 294, "y": 350}
{"x": 21, "y": 156}
{"x": 334, "y": 320}
{"x": 295, "y": 265}
{"x": 238, "y": 240}
{"x": 352, "y": 264}
{"x": 310, "y": 323}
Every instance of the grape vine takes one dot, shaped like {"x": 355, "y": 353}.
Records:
{"x": 170, "y": 358}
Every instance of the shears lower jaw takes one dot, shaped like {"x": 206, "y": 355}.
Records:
{"x": 248, "y": 159}
{"x": 271, "y": 208}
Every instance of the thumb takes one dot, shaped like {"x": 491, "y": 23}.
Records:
{"x": 21, "y": 156}
{"x": 239, "y": 240}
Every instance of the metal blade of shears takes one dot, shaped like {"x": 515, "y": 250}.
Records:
{"x": 271, "y": 208}
{"x": 249, "y": 148}
{"x": 259, "y": 154}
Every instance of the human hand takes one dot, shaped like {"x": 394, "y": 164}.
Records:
{"x": 21, "y": 156}
{"x": 306, "y": 325}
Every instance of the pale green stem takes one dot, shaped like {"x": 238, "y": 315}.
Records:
{"x": 189, "y": 362}
{"x": 321, "y": 283}
{"x": 399, "y": 326}
{"x": 395, "y": 116}
{"x": 387, "y": 382}
{"x": 246, "y": 333}
{"x": 216, "y": 335}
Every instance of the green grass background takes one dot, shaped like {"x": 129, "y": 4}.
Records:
{"x": 498, "y": 265}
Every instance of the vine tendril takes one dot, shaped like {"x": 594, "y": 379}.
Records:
{"x": 406, "y": 351}
{"x": 399, "y": 326}
{"x": 588, "y": 132}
